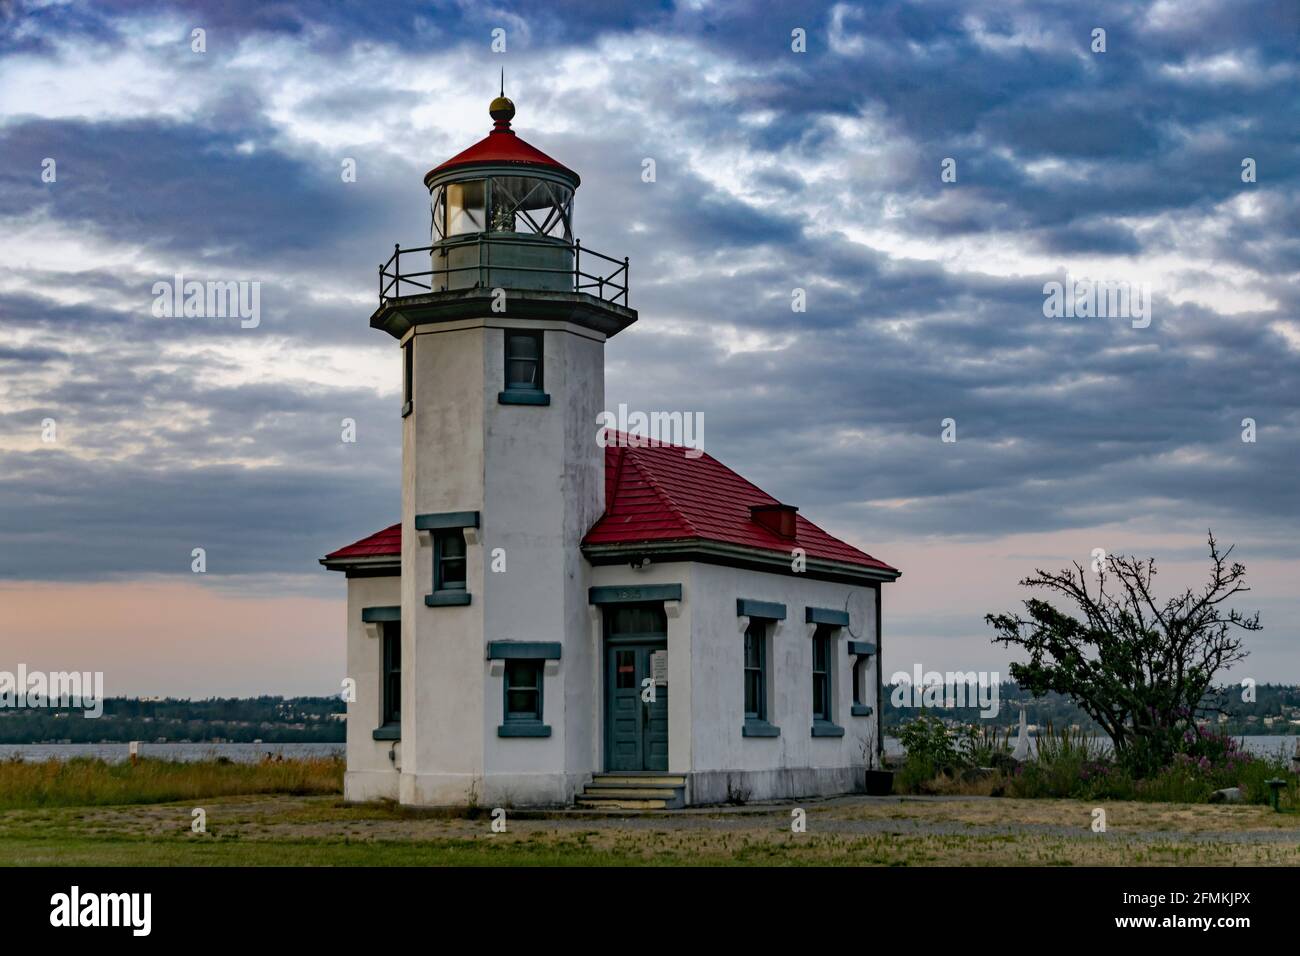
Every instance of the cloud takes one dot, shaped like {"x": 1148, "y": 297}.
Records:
{"x": 775, "y": 171}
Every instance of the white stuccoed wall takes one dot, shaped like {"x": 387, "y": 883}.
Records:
{"x": 442, "y": 648}
{"x": 544, "y": 489}
{"x": 371, "y": 773}
{"x": 536, "y": 476}
{"x": 706, "y": 683}
{"x": 795, "y": 763}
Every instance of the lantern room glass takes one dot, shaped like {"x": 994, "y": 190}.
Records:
{"x": 525, "y": 205}
{"x": 465, "y": 207}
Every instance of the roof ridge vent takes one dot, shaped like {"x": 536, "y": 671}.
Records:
{"x": 776, "y": 517}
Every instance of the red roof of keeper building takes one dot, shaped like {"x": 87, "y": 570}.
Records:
{"x": 657, "y": 495}
{"x": 501, "y": 147}
{"x": 381, "y": 544}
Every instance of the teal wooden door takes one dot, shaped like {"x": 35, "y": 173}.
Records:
{"x": 636, "y": 729}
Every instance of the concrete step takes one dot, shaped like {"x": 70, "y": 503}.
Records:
{"x": 629, "y": 793}
{"x": 621, "y": 804}
{"x": 637, "y": 780}
{"x": 635, "y": 785}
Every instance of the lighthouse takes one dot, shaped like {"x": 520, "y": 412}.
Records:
{"x": 561, "y": 616}
{"x": 502, "y": 322}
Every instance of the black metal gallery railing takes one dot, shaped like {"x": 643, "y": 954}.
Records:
{"x": 480, "y": 270}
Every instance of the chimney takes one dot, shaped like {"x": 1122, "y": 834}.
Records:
{"x": 776, "y": 517}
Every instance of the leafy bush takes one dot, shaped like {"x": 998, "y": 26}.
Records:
{"x": 1077, "y": 765}
{"x": 931, "y": 752}
{"x": 986, "y": 746}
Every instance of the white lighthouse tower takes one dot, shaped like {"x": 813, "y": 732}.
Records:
{"x": 502, "y": 322}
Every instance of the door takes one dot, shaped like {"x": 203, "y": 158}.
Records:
{"x": 636, "y": 704}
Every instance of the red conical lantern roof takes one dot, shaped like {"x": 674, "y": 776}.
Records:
{"x": 501, "y": 147}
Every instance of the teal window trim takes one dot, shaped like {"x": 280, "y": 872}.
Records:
{"x": 634, "y": 594}
{"x": 861, "y": 710}
{"x": 826, "y": 615}
{"x": 524, "y": 679}
{"x": 450, "y": 568}
{"x": 759, "y": 728}
{"x": 446, "y": 519}
{"x": 387, "y": 732}
{"x": 390, "y": 687}
{"x": 824, "y": 728}
{"x": 532, "y": 367}
{"x": 380, "y": 615}
{"x": 862, "y": 648}
{"x": 771, "y": 610}
{"x": 407, "y": 408}
{"x": 521, "y": 728}
{"x": 821, "y": 676}
{"x": 523, "y": 396}
{"x": 523, "y": 650}
{"x": 755, "y": 670}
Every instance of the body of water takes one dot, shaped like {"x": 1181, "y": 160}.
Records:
{"x": 252, "y": 753}
{"x": 114, "y": 753}
{"x": 1261, "y": 746}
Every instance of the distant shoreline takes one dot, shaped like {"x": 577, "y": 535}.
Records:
{"x": 248, "y": 752}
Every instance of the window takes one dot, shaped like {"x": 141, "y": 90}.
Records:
{"x": 755, "y": 671}
{"x": 857, "y": 681}
{"x": 821, "y": 674}
{"x": 449, "y": 560}
{"x": 465, "y": 202}
{"x": 523, "y": 370}
{"x": 524, "y": 691}
{"x": 447, "y": 540}
{"x": 523, "y": 361}
{"x": 528, "y": 205}
{"x": 438, "y": 204}
{"x": 408, "y": 375}
{"x": 391, "y": 690}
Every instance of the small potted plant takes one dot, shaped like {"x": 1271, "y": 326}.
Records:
{"x": 880, "y": 782}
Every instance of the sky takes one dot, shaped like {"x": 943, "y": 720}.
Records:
{"x": 775, "y": 170}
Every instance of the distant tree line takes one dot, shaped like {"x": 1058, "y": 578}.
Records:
{"x": 308, "y": 719}
{"x": 177, "y": 720}
{"x": 1278, "y": 701}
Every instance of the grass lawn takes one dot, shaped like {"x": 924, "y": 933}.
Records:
{"x": 305, "y": 829}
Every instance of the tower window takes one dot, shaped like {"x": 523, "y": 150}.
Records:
{"x": 408, "y": 375}
{"x": 523, "y": 691}
{"x": 523, "y": 378}
{"x": 447, "y": 540}
{"x": 523, "y": 360}
{"x": 449, "y": 560}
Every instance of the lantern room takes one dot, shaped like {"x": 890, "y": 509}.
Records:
{"x": 502, "y": 214}
{"x": 501, "y": 219}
